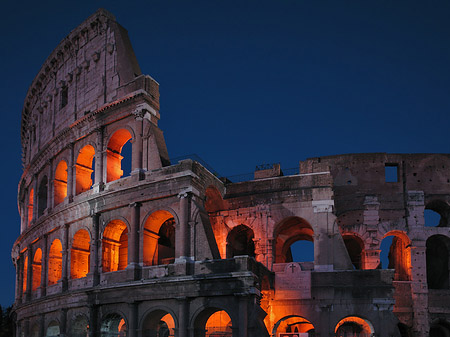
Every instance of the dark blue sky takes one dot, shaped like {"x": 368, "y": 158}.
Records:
{"x": 251, "y": 82}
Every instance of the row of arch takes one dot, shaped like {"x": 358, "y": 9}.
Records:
{"x": 118, "y": 148}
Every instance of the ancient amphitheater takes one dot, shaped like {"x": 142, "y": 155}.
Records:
{"x": 173, "y": 250}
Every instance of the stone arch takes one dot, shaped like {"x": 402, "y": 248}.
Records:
{"x": 354, "y": 326}
{"x": 213, "y": 199}
{"x": 35, "y": 330}
{"x": 80, "y": 254}
{"x": 79, "y": 326}
{"x": 399, "y": 255}
{"x": 437, "y": 259}
{"x": 440, "y": 327}
{"x": 36, "y": 270}
{"x": 287, "y": 232}
{"x": 30, "y": 206}
{"x": 159, "y": 322}
{"x": 240, "y": 241}
{"x": 42, "y": 195}
{"x": 55, "y": 262}
{"x": 293, "y": 323}
{"x": 115, "y": 246}
{"x": 355, "y": 249}
{"x": 52, "y": 329}
{"x": 443, "y": 209}
{"x": 60, "y": 183}
{"x": 158, "y": 238}
{"x": 114, "y": 324}
{"x": 84, "y": 169}
{"x": 212, "y": 320}
{"x": 114, "y": 156}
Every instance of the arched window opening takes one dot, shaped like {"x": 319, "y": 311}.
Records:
{"x": 80, "y": 253}
{"x": 396, "y": 254}
{"x": 355, "y": 248}
{"x": 218, "y": 324}
{"x": 290, "y": 231}
{"x": 159, "y": 239}
{"x": 84, "y": 169}
{"x": 25, "y": 274}
{"x": 30, "y": 206}
{"x": 80, "y": 327}
{"x": 60, "y": 183}
{"x": 159, "y": 323}
{"x": 240, "y": 242}
{"x": 294, "y": 324}
{"x": 214, "y": 201}
{"x": 37, "y": 269}
{"x": 113, "y": 325}
{"x": 53, "y": 329}
{"x": 42, "y": 196}
{"x": 55, "y": 262}
{"x": 437, "y": 257}
{"x": 115, "y": 246}
{"x": 354, "y": 326}
{"x": 114, "y": 155}
{"x": 437, "y": 214}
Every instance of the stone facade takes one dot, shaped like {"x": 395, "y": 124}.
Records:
{"x": 172, "y": 250}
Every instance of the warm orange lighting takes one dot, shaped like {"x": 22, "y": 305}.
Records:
{"x": 400, "y": 255}
{"x": 159, "y": 238}
{"x": 240, "y": 242}
{"x": 218, "y": 324}
{"x": 60, "y": 182}
{"x": 113, "y": 154}
{"x": 37, "y": 269}
{"x": 122, "y": 328}
{"x": 289, "y": 231}
{"x": 80, "y": 252}
{"x": 30, "y": 206}
{"x": 25, "y": 274}
{"x": 84, "y": 169}
{"x": 55, "y": 262}
{"x": 353, "y": 326}
{"x": 115, "y": 246}
{"x": 293, "y": 324}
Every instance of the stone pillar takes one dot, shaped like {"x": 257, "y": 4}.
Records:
{"x": 44, "y": 266}
{"x": 137, "y": 148}
{"x": 42, "y": 326}
{"x": 134, "y": 319}
{"x": 243, "y": 316}
{"x": 183, "y": 307}
{"x": 71, "y": 183}
{"x": 419, "y": 288}
{"x": 93, "y": 321}
{"x": 133, "y": 243}
{"x": 63, "y": 323}
{"x": 99, "y": 158}
{"x": 183, "y": 243}
{"x": 324, "y": 235}
{"x": 65, "y": 259}
{"x": 29, "y": 273}
{"x": 270, "y": 250}
{"x": 95, "y": 246}
{"x": 35, "y": 197}
{"x": 19, "y": 278}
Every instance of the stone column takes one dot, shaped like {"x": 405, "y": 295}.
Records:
{"x": 29, "y": 273}
{"x": 50, "y": 186}
{"x": 65, "y": 259}
{"x": 134, "y": 317}
{"x": 35, "y": 197}
{"x": 71, "y": 183}
{"x": 95, "y": 248}
{"x": 419, "y": 288}
{"x": 63, "y": 322}
{"x": 137, "y": 148}
{"x": 42, "y": 325}
{"x": 19, "y": 278}
{"x": 93, "y": 323}
{"x": 243, "y": 316}
{"x": 99, "y": 158}
{"x": 183, "y": 317}
{"x": 183, "y": 246}
{"x": 133, "y": 243}
{"x": 44, "y": 266}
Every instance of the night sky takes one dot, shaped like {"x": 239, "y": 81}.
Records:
{"x": 245, "y": 83}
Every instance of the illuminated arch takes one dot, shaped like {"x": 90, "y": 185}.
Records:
{"x": 399, "y": 255}
{"x": 113, "y": 325}
{"x": 240, "y": 241}
{"x": 60, "y": 182}
{"x": 159, "y": 323}
{"x": 354, "y": 326}
{"x": 42, "y": 195}
{"x": 114, "y": 154}
{"x": 213, "y": 321}
{"x": 293, "y": 323}
{"x": 355, "y": 249}
{"x": 159, "y": 238}
{"x": 115, "y": 246}
{"x": 25, "y": 274}
{"x": 214, "y": 201}
{"x": 84, "y": 169}
{"x": 30, "y": 206}
{"x": 36, "y": 270}
{"x": 289, "y": 231}
{"x": 437, "y": 257}
{"x": 55, "y": 262}
{"x": 79, "y": 254}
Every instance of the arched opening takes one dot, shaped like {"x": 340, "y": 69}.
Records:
{"x": 30, "y": 206}
{"x": 404, "y": 330}
{"x": 60, "y": 183}
{"x": 55, "y": 262}
{"x": 113, "y": 325}
{"x": 354, "y": 326}
{"x": 158, "y": 323}
{"x": 115, "y": 246}
{"x": 355, "y": 249}
{"x": 25, "y": 274}
{"x": 213, "y": 322}
{"x": 37, "y": 269}
{"x": 34, "y": 331}
{"x": 437, "y": 214}
{"x": 53, "y": 329}
{"x": 79, "y": 254}
{"x": 240, "y": 242}
{"x": 79, "y": 327}
{"x": 84, "y": 169}
{"x": 159, "y": 239}
{"x": 437, "y": 257}
{"x": 293, "y": 324}
{"x": 396, "y": 254}
{"x": 42, "y": 196}
{"x": 114, "y": 155}
{"x": 440, "y": 328}
{"x": 290, "y": 231}
{"x": 214, "y": 201}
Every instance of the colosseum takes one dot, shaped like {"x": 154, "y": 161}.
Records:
{"x": 171, "y": 249}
